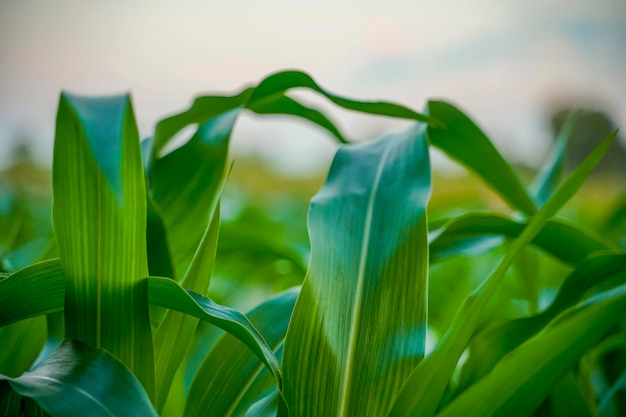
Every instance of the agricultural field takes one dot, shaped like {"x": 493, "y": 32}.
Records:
{"x": 141, "y": 279}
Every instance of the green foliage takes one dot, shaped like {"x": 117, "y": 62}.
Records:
{"x": 131, "y": 327}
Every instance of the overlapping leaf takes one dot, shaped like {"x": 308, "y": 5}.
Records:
{"x": 423, "y": 391}
{"x": 525, "y": 377}
{"x": 231, "y": 377}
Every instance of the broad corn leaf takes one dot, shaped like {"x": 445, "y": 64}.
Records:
{"x": 464, "y": 142}
{"x": 359, "y": 325}
{"x": 78, "y": 380}
{"x": 99, "y": 217}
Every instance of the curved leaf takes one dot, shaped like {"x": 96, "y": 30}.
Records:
{"x": 464, "y": 142}
{"x": 368, "y": 266}
{"x": 78, "y": 380}
{"x": 226, "y": 383}
{"x": 167, "y": 293}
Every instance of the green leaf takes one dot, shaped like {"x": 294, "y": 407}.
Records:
{"x": 260, "y": 98}
{"x": 606, "y": 408}
{"x": 563, "y": 240}
{"x": 289, "y": 106}
{"x": 78, "y": 380}
{"x": 32, "y": 291}
{"x": 423, "y": 391}
{"x": 173, "y": 337}
{"x": 185, "y": 186}
{"x": 359, "y": 324}
{"x": 464, "y": 142}
{"x": 548, "y": 177}
{"x": 286, "y": 80}
{"x": 99, "y": 217}
{"x": 185, "y": 180}
{"x": 167, "y": 293}
{"x": 227, "y": 383}
{"x": 21, "y": 343}
{"x": 494, "y": 342}
{"x": 520, "y": 381}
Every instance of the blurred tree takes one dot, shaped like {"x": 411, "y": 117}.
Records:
{"x": 590, "y": 129}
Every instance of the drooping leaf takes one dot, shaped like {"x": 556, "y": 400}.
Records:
{"x": 32, "y": 291}
{"x": 549, "y": 175}
{"x": 185, "y": 180}
{"x": 423, "y": 391}
{"x": 465, "y": 142}
{"x": 79, "y": 380}
{"x": 270, "y": 89}
{"x": 288, "y": 106}
{"x": 359, "y": 324}
{"x": 99, "y": 217}
{"x": 167, "y": 293}
{"x": 226, "y": 383}
{"x": 520, "y": 381}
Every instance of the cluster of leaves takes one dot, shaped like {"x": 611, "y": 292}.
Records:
{"x": 137, "y": 227}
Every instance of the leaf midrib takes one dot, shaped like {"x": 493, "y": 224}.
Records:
{"x": 346, "y": 383}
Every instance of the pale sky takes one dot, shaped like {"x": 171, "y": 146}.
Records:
{"x": 506, "y": 63}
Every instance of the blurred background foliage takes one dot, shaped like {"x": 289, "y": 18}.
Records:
{"x": 263, "y": 243}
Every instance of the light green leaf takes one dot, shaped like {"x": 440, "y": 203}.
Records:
{"x": 228, "y": 381}
{"x": 167, "y": 293}
{"x": 78, "y": 380}
{"x": 464, "y": 142}
{"x": 559, "y": 238}
{"x": 549, "y": 175}
{"x": 359, "y": 324}
{"x": 520, "y": 381}
{"x": 32, "y": 291}
{"x": 423, "y": 391}
{"x": 99, "y": 217}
